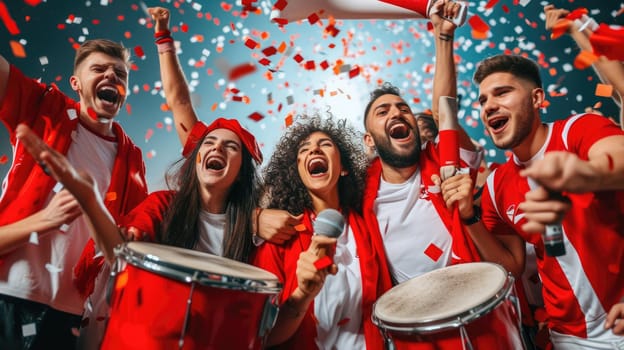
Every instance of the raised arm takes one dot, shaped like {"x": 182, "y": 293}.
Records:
{"x": 608, "y": 71}
{"x": 445, "y": 76}
{"x": 174, "y": 83}
{"x": 103, "y": 228}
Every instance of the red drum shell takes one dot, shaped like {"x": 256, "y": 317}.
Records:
{"x": 233, "y": 305}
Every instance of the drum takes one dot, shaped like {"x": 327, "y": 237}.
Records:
{"x": 466, "y": 306}
{"x": 164, "y": 297}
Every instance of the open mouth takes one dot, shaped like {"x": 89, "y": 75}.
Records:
{"x": 108, "y": 94}
{"x": 399, "y": 130}
{"x": 317, "y": 166}
{"x": 497, "y": 123}
{"x": 215, "y": 164}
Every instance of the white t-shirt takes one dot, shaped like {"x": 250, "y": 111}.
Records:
{"x": 338, "y": 306}
{"x": 43, "y": 271}
{"x": 211, "y": 227}
{"x": 415, "y": 238}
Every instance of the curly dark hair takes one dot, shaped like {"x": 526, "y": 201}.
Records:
{"x": 284, "y": 187}
{"x": 180, "y": 225}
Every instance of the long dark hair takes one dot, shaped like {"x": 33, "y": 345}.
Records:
{"x": 180, "y": 225}
{"x": 286, "y": 191}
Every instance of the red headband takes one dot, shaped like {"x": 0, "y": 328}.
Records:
{"x": 200, "y": 130}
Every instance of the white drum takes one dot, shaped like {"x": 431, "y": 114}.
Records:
{"x": 470, "y": 306}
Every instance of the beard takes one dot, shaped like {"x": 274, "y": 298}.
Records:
{"x": 392, "y": 157}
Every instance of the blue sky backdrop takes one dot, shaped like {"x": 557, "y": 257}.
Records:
{"x": 297, "y": 68}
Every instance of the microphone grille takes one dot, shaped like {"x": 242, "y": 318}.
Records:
{"x": 329, "y": 222}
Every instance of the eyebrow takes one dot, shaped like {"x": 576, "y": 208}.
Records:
{"x": 226, "y": 141}
{"x": 308, "y": 142}
{"x": 387, "y": 104}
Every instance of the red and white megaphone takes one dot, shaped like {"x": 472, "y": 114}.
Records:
{"x": 286, "y": 11}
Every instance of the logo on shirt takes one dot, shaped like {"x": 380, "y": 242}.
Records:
{"x": 513, "y": 215}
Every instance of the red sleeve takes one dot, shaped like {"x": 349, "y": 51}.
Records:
{"x": 22, "y": 100}
{"x": 195, "y": 136}
{"x": 587, "y": 130}
{"x": 490, "y": 216}
{"x": 270, "y": 257}
{"x": 148, "y": 216}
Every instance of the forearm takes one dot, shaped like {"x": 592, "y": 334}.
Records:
{"x": 508, "y": 252}
{"x": 18, "y": 233}
{"x": 607, "y": 162}
{"x": 103, "y": 228}
{"x": 445, "y": 84}
{"x": 289, "y": 319}
{"x": 177, "y": 94}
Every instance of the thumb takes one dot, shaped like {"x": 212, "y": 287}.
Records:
{"x": 436, "y": 180}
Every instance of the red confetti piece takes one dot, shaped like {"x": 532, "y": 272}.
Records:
{"x": 138, "y": 51}
{"x": 32, "y": 3}
{"x": 313, "y": 18}
{"x": 343, "y": 321}
{"x": 184, "y": 28}
{"x": 241, "y": 70}
{"x": 355, "y": 71}
{"x": 149, "y": 134}
{"x": 298, "y": 58}
{"x": 250, "y": 43}
{"x": 226, "y": 7}
{"x": 255, "y": 116}
{"x": 478, "y": 24}
{"x": 324, "y": 65}
{"x": 309, "y": 65}
{"x": 490, "y": 4}
{"x": 4, "y": 159}
{"x": 92, "y": 114}
{"x": 280, "y": 4}
{"x": 505, "y": 8}
{"x": 269, "y": 51}
{"x": 8, "y": 21}
{"x": 265, "y": 61}
{"x": 433, "y": 252}
{"x": 323, "y": 262}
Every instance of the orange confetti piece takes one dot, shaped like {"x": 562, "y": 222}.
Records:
{"x": 477, "y": 35}
{"x": 604, "y": 90}
{"x": 110, "y": 196}
{"x": 584, "y": 60}
{"x": 560, "y": 28}
{"x": 148, "y": 134}
{"x": 121, "y": 281}
{"x": 300, "y": 228}
{"x": 18, "y": 49}
{"x": 288, "y": 122}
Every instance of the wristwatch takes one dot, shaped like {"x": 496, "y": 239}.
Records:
{"x": 475, "y": 217}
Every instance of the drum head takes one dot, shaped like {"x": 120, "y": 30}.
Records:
{"x": 190, "y": 265}
{"x": 440, "y": 294}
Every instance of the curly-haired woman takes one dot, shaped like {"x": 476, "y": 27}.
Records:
{"x": 319, "y": 164}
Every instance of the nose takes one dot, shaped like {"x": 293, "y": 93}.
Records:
{"x": 488, "y": 108}
{"x": 110, "y": 73}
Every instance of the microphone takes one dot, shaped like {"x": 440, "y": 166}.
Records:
{"x": 330, "y": 223}
{"x": 553, "y": 234}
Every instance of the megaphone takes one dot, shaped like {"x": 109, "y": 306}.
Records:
{"x": 294, "y": 10}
